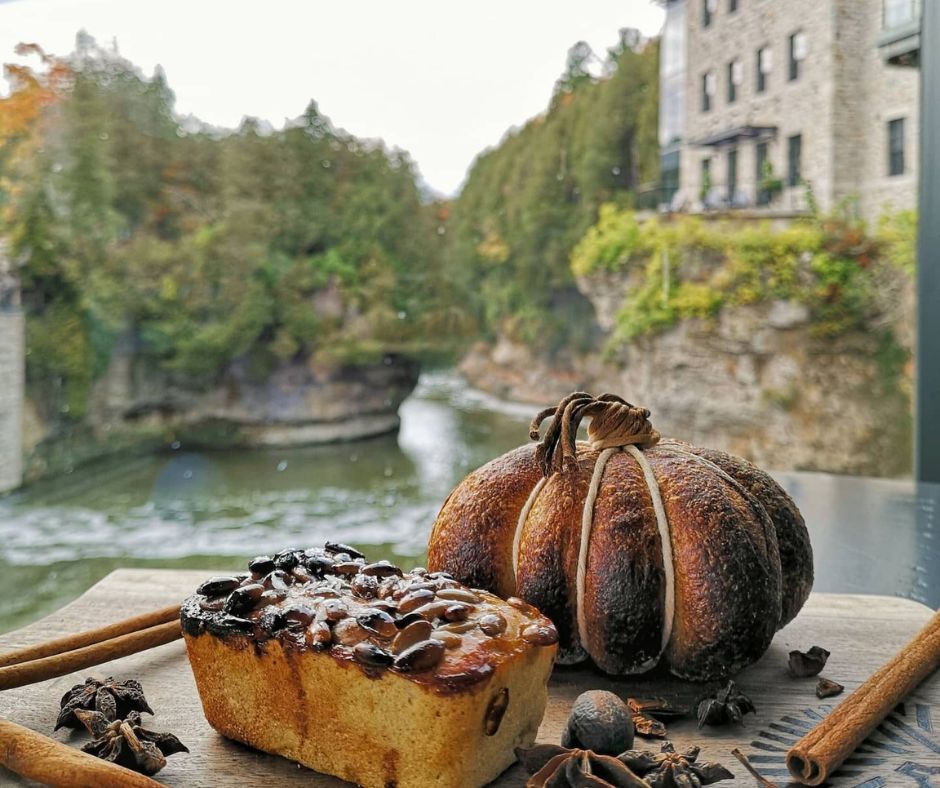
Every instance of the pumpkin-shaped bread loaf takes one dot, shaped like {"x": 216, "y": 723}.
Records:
{"x": 643, "y": 551}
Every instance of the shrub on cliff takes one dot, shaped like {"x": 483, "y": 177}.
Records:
{"x": 687, "y": 267}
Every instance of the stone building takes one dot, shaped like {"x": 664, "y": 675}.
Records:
{"x": 786, "y": 102}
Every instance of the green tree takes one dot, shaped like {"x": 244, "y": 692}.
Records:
{"x": 528, "y": 201}
{"x": 256, "y": 246}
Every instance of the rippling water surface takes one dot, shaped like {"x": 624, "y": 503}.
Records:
{"x": 214, "y": 509}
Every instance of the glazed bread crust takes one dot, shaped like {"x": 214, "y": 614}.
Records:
{"x": 381, "y": 677}
{"x": 376, "y": 732}
{"x": 741, "y": 565}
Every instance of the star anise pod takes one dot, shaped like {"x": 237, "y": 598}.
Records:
{"x": 671, "y": 769}
{"x": 728, "y": 705}
{"x": 552, "y": 766}
{"x": 126, "y": 743}
{"x": 114, "y": 699}
{"x": 645, "y": 711}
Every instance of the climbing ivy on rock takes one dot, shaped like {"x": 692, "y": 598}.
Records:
{"x": 692, "y": 267}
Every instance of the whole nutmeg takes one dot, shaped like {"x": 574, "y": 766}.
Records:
{"x": 599, "y": 721}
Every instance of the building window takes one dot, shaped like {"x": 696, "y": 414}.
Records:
{"x": 761, "y": 177}
{"x": 669, "y": 175}
{"x": 797, "y": 49}
{"x": 706, "y": 180}
{"x": 708, "y": 90}
{"x": 896, "y": 13}
{"x": 764, "y": 64}
{"x": 732, "y": 6}
{"x": 794, "y": 160}
{"x": 734, "y": 79}
{"x": 732, "y": 175}
{"x": 896, "y": 146}
{"x": 708, "y": 11}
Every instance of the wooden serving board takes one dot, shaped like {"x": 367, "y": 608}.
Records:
{"x": 862, "y": 632}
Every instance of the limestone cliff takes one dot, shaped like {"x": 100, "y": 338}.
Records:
{"x": 135, "y": 407}
{"x": 755, "y": 380}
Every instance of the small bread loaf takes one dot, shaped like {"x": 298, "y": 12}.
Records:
{"x": 644, "y": 551}
{"x": 362, "y": 671}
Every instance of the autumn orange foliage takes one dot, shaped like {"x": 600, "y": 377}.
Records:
{"x": 31, "y": 93}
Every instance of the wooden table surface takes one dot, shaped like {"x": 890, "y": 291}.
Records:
{"x": 862, "y": 632}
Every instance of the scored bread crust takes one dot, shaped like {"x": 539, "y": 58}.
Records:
{"x": 626, "y": 588}
{"x": 548, "y": 556}
{"x": 379, "y": 732}
{"x": 491, "y": 498}
{"x": 796, "y": 555}
{"x": 741, "y": 566}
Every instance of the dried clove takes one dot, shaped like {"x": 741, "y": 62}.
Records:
{"x": 827, "y": 688}
{"x": 803, "y": 665}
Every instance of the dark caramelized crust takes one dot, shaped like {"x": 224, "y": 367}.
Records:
{"x": 426, "y": 626}
{"x": 473, "y": 534}
{"x": 741, "y": 568}
{"x": 796, "y": 555}
{"x": 727, "y": 572}
{"x": 548, "y": 552}
{"x": 626, "y": 584}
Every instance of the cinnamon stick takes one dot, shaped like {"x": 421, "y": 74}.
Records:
{"x": 90, "y": 637}
{"x": 37, "y": 757}
{"x": 823, "y": 750}
{"x": 61, "y": 664}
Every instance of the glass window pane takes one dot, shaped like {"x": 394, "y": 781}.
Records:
{"x": 898, "y": 12}
{"x": 794, "y": 160}
{"x": 896, "y": 146}
{"x": 219, "y": 275}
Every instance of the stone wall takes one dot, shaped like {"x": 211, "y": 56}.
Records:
{"x": 840, "y": 104}
{"x": 882, "y": 93}
{"x": 12, "y": 342}
{"x": 799, "y": 107}
{"x": 755, "y": 381}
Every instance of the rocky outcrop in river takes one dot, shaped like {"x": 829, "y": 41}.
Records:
{"x": 755, "y": 380}
{"x": 135, "y": 407}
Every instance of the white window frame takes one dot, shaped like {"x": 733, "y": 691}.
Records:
{"x": 800, "y": 46}
{"x": 765, "y": 60}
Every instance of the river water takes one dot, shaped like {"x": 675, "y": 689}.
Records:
{"x": 214, "y": 509}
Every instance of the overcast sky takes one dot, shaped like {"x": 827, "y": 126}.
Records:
{"x": 442, "y": 80}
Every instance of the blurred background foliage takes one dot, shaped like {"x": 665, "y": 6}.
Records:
{"x": 206, "y": 245}
{"x": 527, "y": 202}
